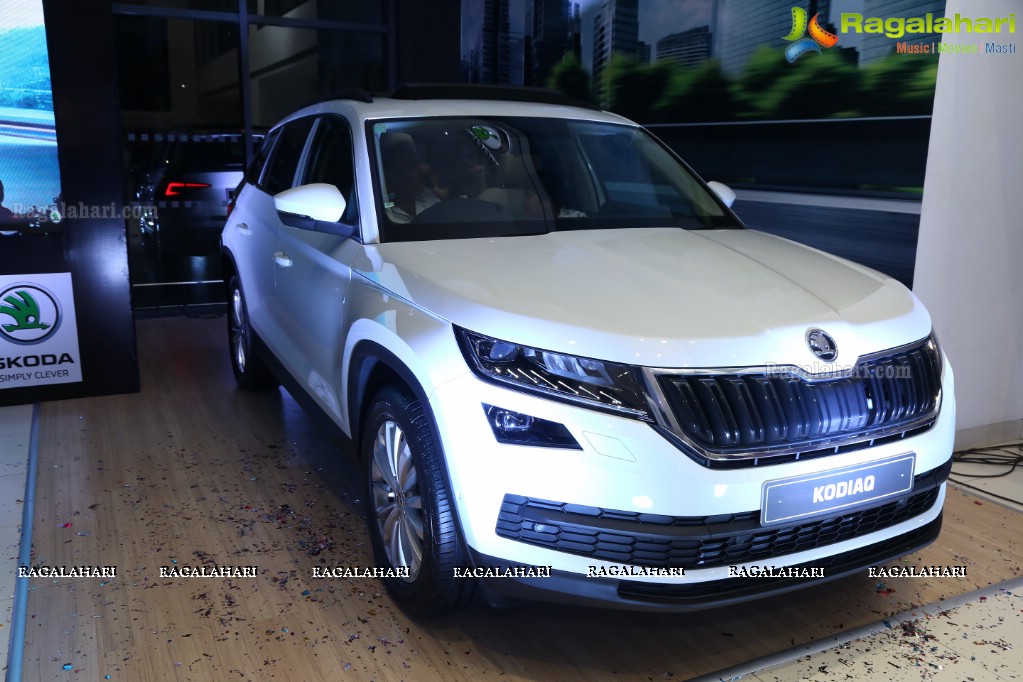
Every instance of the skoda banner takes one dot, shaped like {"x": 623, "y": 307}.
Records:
{"x": 38, "y": 331}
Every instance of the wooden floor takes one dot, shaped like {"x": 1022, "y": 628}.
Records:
{"x": 193, "y": 471}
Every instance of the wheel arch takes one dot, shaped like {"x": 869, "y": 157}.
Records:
{"x": 371, "y": 368}
{"x": 444, "y": 549}
{"x": 227, "y": 266}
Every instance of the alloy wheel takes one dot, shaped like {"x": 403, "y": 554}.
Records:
{"x": 396, "y": 499}
{"x": 238, "y": 330}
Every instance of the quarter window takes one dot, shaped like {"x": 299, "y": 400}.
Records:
{"x": 255, "y": 169}
{"x": 332, "y": 161}
{"x": 280, "y": 174}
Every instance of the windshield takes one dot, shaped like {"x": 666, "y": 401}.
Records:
{"x": 460, "y": 177}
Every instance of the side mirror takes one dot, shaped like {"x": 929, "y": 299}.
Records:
{"x": 724, "y": 192}
{"x": 318, "y": 201}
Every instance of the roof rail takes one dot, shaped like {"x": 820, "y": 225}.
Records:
{"x": 476, "y": 91}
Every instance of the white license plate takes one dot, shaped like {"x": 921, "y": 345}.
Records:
{"x": 801, "y": 497}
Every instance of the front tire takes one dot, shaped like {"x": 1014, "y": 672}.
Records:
{"x": 250, "y": 372}
{"x": 411, "y": 516}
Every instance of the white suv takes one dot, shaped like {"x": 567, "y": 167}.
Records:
{"x": 569, "y": 370}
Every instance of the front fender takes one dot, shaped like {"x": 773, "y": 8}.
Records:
{"x": 391, "y": 336}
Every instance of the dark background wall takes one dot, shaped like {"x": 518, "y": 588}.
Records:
{"x": 428, "y": 44}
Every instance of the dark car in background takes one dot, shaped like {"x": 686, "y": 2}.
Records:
{"x": 184, "y": 189}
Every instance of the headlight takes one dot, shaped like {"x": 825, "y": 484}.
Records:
{"x": 937, "y": 350}
{"x": 594, "y": 383}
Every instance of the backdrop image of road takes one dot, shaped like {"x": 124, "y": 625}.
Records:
{"x": 29, "y": 171}
{"x": 822, "y": 132}
{"x": 723, "y": 66}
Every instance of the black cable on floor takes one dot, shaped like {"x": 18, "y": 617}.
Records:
{"x": 1010, "y": 456}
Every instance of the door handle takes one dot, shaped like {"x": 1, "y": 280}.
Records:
{"x": 281, "y": 259}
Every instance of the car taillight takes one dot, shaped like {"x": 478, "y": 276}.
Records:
{"x": 176, "y": 189}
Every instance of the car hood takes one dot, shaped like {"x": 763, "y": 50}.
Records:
{"x": 661, "y": 297}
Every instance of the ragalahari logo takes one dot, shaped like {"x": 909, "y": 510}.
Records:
{"x": 29, "y": 314}
{"x": 800, "y": 43}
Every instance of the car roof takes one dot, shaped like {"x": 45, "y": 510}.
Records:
{"x": 456, "y": 100}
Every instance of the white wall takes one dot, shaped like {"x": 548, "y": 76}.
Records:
{"x": 969, "y": 265}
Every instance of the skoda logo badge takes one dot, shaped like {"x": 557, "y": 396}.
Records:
{"x": 821, "y": 344}
{"x": 29, "y": 314}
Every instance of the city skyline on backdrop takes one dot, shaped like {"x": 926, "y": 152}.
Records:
{"x": 518, "y": 42}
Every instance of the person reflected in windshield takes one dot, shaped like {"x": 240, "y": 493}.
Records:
{"x": 404, "y": 177}
{"x": 437, "y": 184}
{"x": 469, "y": 166}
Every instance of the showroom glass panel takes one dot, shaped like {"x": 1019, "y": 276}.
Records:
{"x": 359, "y": 11}
{"x": 185, "y": 146}
{"x": 184, "y": 151}
{"x": 200, "y": 5}
{"x": 292, "y": 67}
{"x": 328, "y": 10}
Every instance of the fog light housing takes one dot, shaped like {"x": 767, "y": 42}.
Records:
{"x": 516, "y": 428}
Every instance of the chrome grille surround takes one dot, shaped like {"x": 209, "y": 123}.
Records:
{"x": 747, "y": 416}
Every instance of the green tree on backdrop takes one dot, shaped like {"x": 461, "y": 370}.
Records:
{"x": 633, "y": 89}
{"x": 819, "y": 86}
{"x": 703, "y": 93}
{"x": 824, "y": 86}
{"x": 900, "y": 85}
{"x": 571, "y": 78}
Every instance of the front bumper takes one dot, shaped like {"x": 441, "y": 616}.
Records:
{"x": 699, "y": 543}
{"x": 630, "y": 474}
{"x": 571, "y": 588}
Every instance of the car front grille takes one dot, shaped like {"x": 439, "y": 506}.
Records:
{"x": 761, "y": 414}
{"x": 640, "y": 539}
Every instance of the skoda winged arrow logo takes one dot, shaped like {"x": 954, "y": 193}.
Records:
{"x": 822, "y": 345}
{"x": 801, "y": 45}
{"x": 29, "y": 314}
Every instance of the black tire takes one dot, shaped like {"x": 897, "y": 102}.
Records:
{"x": 398, "y": 435}
{"x": 250, "y": 372}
